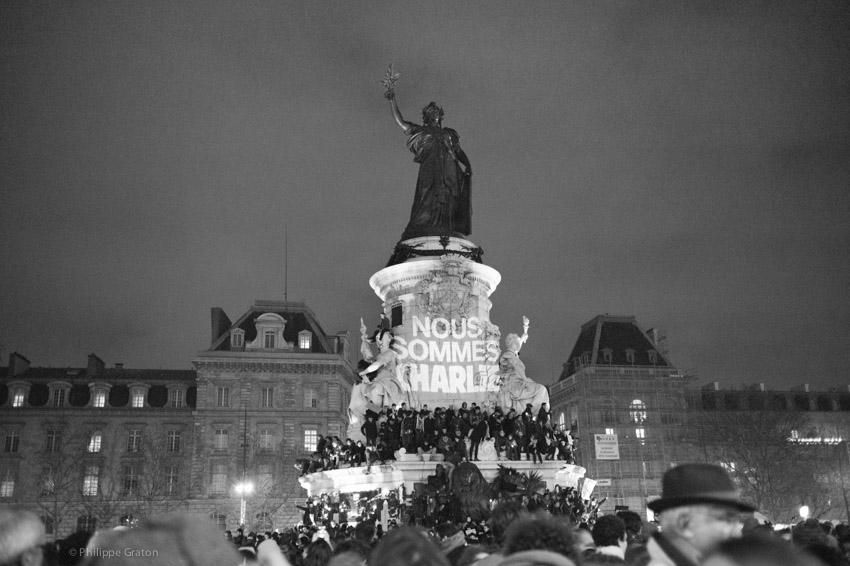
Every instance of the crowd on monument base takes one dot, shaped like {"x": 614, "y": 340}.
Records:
{"x": 456, "y": 434}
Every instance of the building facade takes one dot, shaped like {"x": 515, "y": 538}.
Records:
{"x": 96, "y": 446}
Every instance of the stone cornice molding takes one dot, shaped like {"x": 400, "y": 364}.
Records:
{"x": 267, "y": 366}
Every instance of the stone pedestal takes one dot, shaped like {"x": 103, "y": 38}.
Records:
{"x": 438, "y": 304}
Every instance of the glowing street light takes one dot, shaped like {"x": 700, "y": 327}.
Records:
{"x": 804, "y": 512}
{"x": 244, "y": 489}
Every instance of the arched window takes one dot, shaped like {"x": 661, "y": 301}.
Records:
{"x": 637, "y": 411}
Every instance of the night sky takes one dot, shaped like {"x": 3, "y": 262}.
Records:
{"x": 684, "y": 162}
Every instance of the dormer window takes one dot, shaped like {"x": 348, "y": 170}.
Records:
{"x": 18, "y": 398}
{"x": 269, "y": 333}
{"x": 305, "y": 340}
{"x": 58, "y": 395}
{"x": 653, "y": 356}
{"x": 237, "y": 338}
{"x": 99, "y": 399}
{"x": 138, "y": 392}
{"x": 607, "y": 355}
{"x": 630, "y": 355}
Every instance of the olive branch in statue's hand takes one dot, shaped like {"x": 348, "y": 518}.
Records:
{"x": 389, "y": 81}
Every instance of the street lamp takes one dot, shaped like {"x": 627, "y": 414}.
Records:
{"x": 804, "y": 512}
{"x": 244, "y": 489}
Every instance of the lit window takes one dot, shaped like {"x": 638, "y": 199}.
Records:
{"x": 54, "y": 439}
{"x": 266, "y": 440}
{"x": 637, "y": 411}
{"x": 99, "y": 398}
{"x": 138, "y": 399}
{"x": 311, "y": 439}
{"x": 7, "y": 487}
{"x": 609, "y": 431}
{"x": 562, "y": 420}
{"x": 267, "y": 400}
{"x": 269, "y": 339}
{"x": 18, "y": 398}
{"x": 95, "y": 441}
{"x": 222, "y": 398}
{"x": 305, "y": 339}
{"x": 90, "y": 480}
{"x": 131, "y": 479}
{"x": 220, "y": 439}
{"x": 171, "y": 479}
{"x": 13, "y": 441}
{"x": 219, "y": 479}
{"x": 58, "y": 397}
{"x": 311, "y": 400}
{"x": 134, "y": 441}
{"x": 640, "y": 433}
{"x": 173, "y": 443}
{"x": 176, "y": 398}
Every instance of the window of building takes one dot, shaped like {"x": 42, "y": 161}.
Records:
{"x": 86, "y": 523}
{"x": 609, "y": 415}
{"x": 311, "y": 439}
{"x": 266, "y": 440}
{"x": 99, "y": 400}
{"x": 130, "y": 521}
{"x": 54, "y": 439}
{"x": 795, "y": 435}
{"x": 173, "y": 441}
{"x": 653, "y": 356}
{"x": 640, "y": 433}
{"x": 269, "y": 339}
{"x": 607, "y": 355}
{"x": 138, "y": 399}
{"x": 637, "y": 411}
{"x": 311, "y": 398}
{"x": 48, "y": 482}
{"x": 562, "y": 420}
{"x": 609, "y": 431}
{"x": 58, "y": 397}
{"x": 176, "y": 398}
{"x": 222, "y": 397}
{"x": 265, "y": 478}
{"x": 267, "y": 399}
{"x": 219, "y": 479}
{"x": 171, "y": 479}
{"x": 95, "y": 440}
{"x": 90, "y": 480}
{"x": 220, "y": 439}
{"x": 237, "y": 338}
{"x": 134, "y": 441}
{"x": 18, "y": 398}
{"x": 48, "y": 524}
{"x": 7, "y": 487}
{"x": 305, "y": 340}
{"x": 13, "y": 441}
{"x": 630, "y": 355}
{"x": 131, "y": 479}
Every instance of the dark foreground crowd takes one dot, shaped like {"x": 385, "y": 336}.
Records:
{"x": 445, "y": 431}
{"x": 701, "y": 522}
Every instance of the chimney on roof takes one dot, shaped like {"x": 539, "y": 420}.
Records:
{"x": 95, "y": 366}
{"x": 713, "y": 386}
{"x": 802, "y": 387}
{"x": 220, "y": 323}
{"x": 17, "y": 364}
{"x": 659, "y": 339}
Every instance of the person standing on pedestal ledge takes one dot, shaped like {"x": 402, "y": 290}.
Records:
{"x": 518, "y": 391}
{"x": 442, "y": 204}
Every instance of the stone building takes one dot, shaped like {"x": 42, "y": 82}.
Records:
{"x": 97, "y": 446}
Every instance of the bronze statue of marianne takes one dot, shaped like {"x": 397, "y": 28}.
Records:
{"x": 441, "y": 204}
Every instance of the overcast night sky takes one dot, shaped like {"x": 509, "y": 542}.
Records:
{"x": 684, "y": 162}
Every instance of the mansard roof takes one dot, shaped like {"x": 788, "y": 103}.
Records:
{"x": 618, "y": 334}
{"x": 106, "y": 375}
{"x": 297, "y": 315}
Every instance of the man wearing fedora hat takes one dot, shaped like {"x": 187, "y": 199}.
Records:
{"x": 699, "y": 508}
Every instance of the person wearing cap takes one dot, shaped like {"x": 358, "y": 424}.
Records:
{"x": 699, "y": 508}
